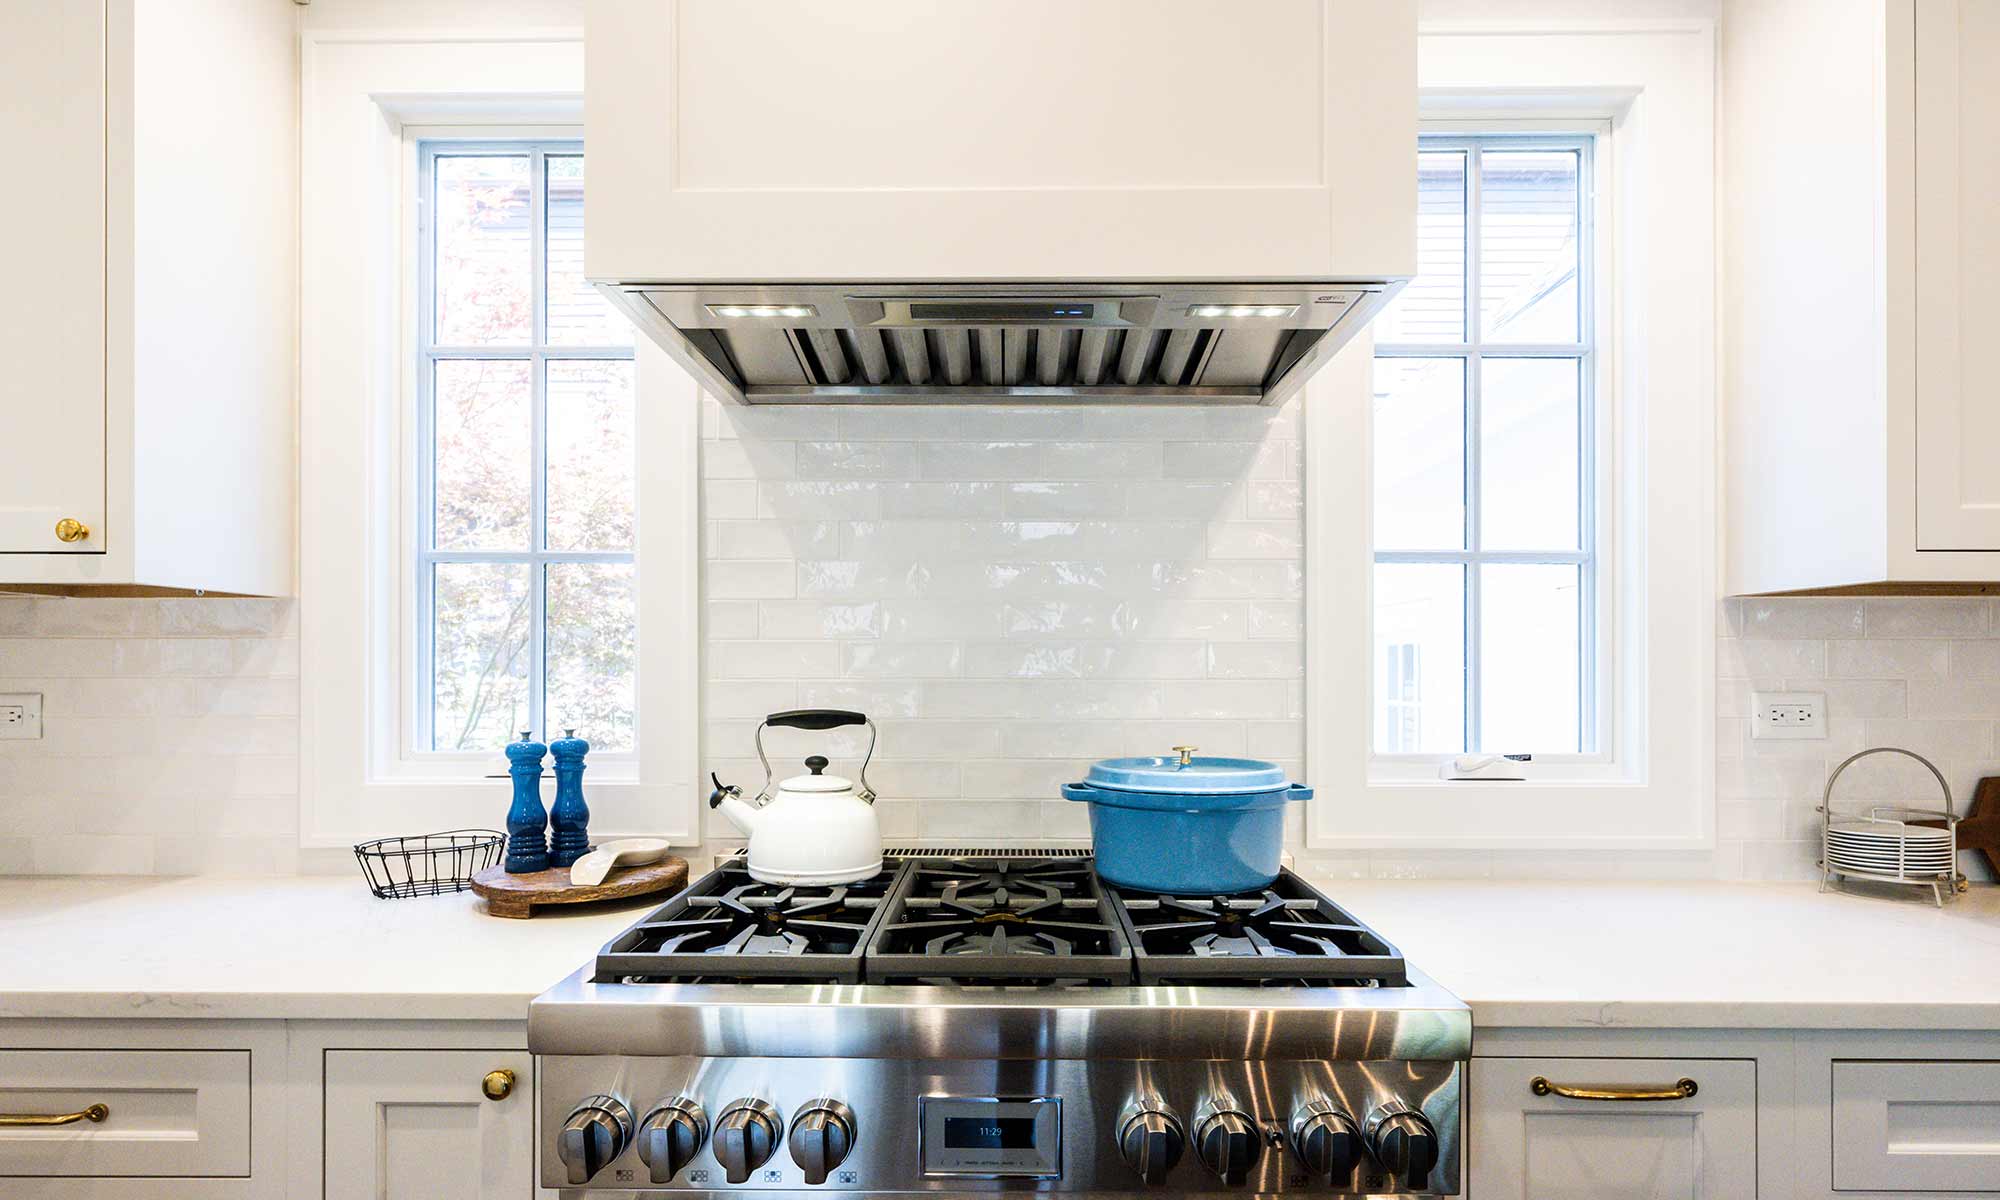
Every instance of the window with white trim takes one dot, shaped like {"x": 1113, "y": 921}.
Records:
{"x": 523, "y": 607}
{"x": 1486, "y": 499}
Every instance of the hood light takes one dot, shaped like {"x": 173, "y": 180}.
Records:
{"x": 1242, "y": 310}
{"x": 762, "y": 310}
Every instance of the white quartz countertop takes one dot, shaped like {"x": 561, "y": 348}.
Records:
{"x": 294, "y": 948}
{"x": 1694, "y": 955}
{"x": 1522, "y": 954}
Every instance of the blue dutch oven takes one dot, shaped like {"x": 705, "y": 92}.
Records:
{"x": 1177, "y": 823}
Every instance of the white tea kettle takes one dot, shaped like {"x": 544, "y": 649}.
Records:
{"x": 815, "y": 828}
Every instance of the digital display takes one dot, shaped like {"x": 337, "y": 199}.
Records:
{"x": 989, "y": 1133}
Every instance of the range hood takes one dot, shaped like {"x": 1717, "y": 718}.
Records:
{"x": 1012, "y": 343}
{"x": 1001, "y": 201}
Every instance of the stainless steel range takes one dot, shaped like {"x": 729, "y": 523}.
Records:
{"x": 998, "y": 1025}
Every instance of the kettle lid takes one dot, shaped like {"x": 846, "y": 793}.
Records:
{"x": 816, "y": 780}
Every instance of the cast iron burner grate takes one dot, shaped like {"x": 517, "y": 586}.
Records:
{"x": 1000, "y": 923}
{"x": 729, "y": 927}
{"x": 1285, "y": 935}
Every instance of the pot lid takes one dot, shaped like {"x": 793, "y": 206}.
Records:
{"x": 816, "y": 781}
{"x": 1185, "y": 773}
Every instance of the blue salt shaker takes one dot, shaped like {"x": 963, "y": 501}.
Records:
{"x": 569, "y": 817}
{"x": 527, "y": 820}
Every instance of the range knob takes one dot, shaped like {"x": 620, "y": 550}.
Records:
{"x": 1327, "y": 1141}
{"x": 670, "y": 1136}
{"x": 596, "y": 1132}
{"x": 822, "y": 1137}
{"x": 746, "y": 1135}
{"x": 1404, "y": 1141}
{"x": 1226, "y": 1140}
{"x": 1151, "y": 1139}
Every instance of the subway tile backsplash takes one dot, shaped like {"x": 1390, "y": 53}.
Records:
{"x": 170, "y": 736}
{"x": 1010, "y": 593}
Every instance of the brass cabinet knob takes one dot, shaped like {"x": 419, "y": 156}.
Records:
{"x": 498, "y": 1085}
{"x": 69, "y": 529}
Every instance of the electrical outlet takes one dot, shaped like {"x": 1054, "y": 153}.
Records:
{"x": 20, "y": 716}
{"x": 1795, "y": 715}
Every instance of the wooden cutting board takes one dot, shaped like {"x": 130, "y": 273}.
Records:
{"x": 520, "y": 895}
{"x": 1979, "y": 829}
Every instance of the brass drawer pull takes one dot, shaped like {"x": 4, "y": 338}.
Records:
{"x": 1681, "y": 1090}
{"x": 498, "y": 1085}
{"x": 94, "y": 1114}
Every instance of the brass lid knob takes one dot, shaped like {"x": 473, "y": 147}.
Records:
{"x": 1186, "y": 753}
{"x": 498, "y": 1085}
{"x": 69, "y": 529}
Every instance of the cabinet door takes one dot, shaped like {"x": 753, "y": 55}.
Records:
{"x": 52, "y": 113}
{"x": 1957, "y": 273}
{"x": 414, "y": 1125}
{"x": 1530, "y": 1147}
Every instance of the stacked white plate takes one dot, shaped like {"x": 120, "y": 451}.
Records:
{"x": 1888, "y": 848}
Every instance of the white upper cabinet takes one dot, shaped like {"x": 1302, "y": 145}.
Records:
{"x": 148, "y": 322}
{"x": 1001, "y": 139}
{"x": 1862, "y": 269}
{"x": 1958, "y": 273}
{"x": 52, "y": 308}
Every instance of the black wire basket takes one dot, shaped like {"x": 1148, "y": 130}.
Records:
{"x": 430, "y": 865}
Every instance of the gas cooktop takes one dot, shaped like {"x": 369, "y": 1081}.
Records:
{"x": 997, "y": 1024}
{"x": 998, "y": 922}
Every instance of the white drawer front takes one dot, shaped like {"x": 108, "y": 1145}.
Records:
{"x": 1916, "y": 1126}
{"x": 172, "y": 1113}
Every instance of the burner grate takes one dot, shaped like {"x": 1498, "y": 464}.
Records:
{"x": 1000, "y": 922}
{"x": 730, "y": 926}
{"x": 1285, "y": 935}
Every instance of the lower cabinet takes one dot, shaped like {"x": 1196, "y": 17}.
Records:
{"x": 1608, "y": 1128}
{"x": 420, "y": 1125}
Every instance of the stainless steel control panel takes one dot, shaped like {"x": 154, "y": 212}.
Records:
{"x": 907, "y": 1125}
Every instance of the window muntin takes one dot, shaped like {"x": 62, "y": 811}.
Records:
{"x": 1486, "y": 550}
{"x": 524, "y": 614}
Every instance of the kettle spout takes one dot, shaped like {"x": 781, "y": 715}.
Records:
{"x": 729, "y": 799}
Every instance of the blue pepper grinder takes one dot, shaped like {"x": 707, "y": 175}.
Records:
{"x": 527, "y": 820}
{"x": 569, "y": 817}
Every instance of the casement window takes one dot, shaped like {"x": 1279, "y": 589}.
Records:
{"x": 523, "y": 609}
{"x": 1486, "y": 508}
{"x": 1510, "y": 479}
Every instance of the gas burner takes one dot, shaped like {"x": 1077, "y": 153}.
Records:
{"x": 1014, "y": 884}
{"x": 765, "y": 930}
{"x": 997, "y": 920}
{"x": 1299, "y": 937}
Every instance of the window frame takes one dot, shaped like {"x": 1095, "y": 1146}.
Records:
{"x": 417, "y": 728}
{"x": 1653, "y": 83}
{"x": 1596, "y": 701}
{"x": 364, "y": 97}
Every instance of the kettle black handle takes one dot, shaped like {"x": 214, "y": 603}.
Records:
{"x": 815, "y": 718}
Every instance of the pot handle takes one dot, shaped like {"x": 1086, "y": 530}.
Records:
{"x": 1298, "y": 791}
{"x": 1080, "y": 791}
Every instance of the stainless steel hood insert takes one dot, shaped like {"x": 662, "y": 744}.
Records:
{"x": 1143, "y": 343}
